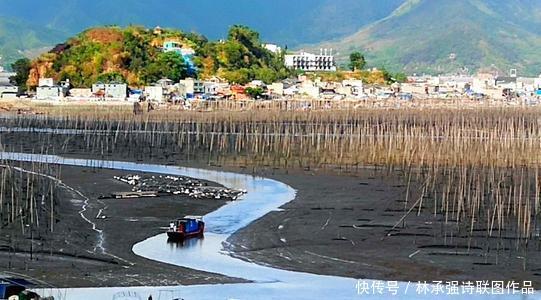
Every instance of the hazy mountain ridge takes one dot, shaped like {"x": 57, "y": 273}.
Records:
{"x": 280, "y": 21}
{"x": 283, "y": 22}
{"x": 445, "y": 36}
{"x": 409, "y": 35}
{"x": 17, "y": 38}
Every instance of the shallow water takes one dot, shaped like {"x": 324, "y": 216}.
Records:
{"x": 264, "y": 195}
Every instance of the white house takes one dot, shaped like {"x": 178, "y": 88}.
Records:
{"x": 117, "y": 91}
{"x": 174, "y": 46}
{"x": 483, "y": 82}
{"x": 81, "y": 93}
{"x": 537, "y": 83}
{"x": 211, "y": 88}
{"x": 355, "y": 85}
{"x": 276, "y": 88}
{"x": 310, "y": 89}
{"x": 50, "y": 92}
{"x": 526, "y": 84}
{"x": 154, "y": 93}
{"x": 8, "y": 91}
{"x": 47, "y": 89}
{"x": 291, "y": 90}
{"x": 504, "y": 82}
{"x": 4, "y": 77}
{"x": 166, "y": 83}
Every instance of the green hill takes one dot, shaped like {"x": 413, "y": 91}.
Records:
{"x": 134, "y": 55}
{"x": 445, "y": 36}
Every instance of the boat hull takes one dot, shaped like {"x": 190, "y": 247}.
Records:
{"x": 179, "y": 236}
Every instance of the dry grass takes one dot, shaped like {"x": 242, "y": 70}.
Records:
{"x": 484, "y": 137}
{"x": 477, "y": 169}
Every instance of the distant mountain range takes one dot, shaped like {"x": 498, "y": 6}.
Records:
{"x": 18, "y": 38}
{"x": 410, "y": 35}
{"x": 446, "y": 36}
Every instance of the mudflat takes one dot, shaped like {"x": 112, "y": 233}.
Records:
{"x": 73, "y": 257}
{"x": 355, "y": 224}
{"x": 350, "y": 225}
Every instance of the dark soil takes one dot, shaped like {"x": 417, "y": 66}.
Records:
{"x": 344, "y": 226}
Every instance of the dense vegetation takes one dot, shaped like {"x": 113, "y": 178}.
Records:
{"x": 241, "y": 58}
{"x": 134, "y": 55}
{"x": 376, "y": 76}
{"x": 22, "y": 70}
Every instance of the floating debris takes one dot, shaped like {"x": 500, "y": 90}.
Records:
{"x": 153, "y": 186}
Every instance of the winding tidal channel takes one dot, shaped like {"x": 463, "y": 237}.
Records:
{"x": 263, "y": 196}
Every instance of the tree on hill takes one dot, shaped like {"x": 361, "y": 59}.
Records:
{"x": 392, "y": 78}
{"x": 267, "y": 75}
{"x": 22, "y": 70}
{"x": 112, "y": 77}
{"x": 137, "y": 51}
{"x": 242, "y": 58}
{"x": 169, "y": 65}
{"x": 240, "y": 76}
{"x": 245, "y": 36}
{"x": 357, "y": 61}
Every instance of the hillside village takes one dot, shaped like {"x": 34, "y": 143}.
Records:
{"x": 122, "y": 65}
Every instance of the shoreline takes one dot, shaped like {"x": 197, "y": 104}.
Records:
{"x": 128, "y": 221}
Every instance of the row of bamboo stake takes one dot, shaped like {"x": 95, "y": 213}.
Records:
{"x": 477, "y": 170}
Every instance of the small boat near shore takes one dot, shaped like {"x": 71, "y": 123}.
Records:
{"x": 187, "y": 227}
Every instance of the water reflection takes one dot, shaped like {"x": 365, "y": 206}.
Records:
{"x": 178, "y": 244}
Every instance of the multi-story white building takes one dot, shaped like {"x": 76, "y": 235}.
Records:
{"x": 192, "y": 87}
{"x": 311, "y": 62}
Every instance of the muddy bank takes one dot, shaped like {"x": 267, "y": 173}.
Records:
{"x": 74, "y": 258}
{"x": 345, "y": 226}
